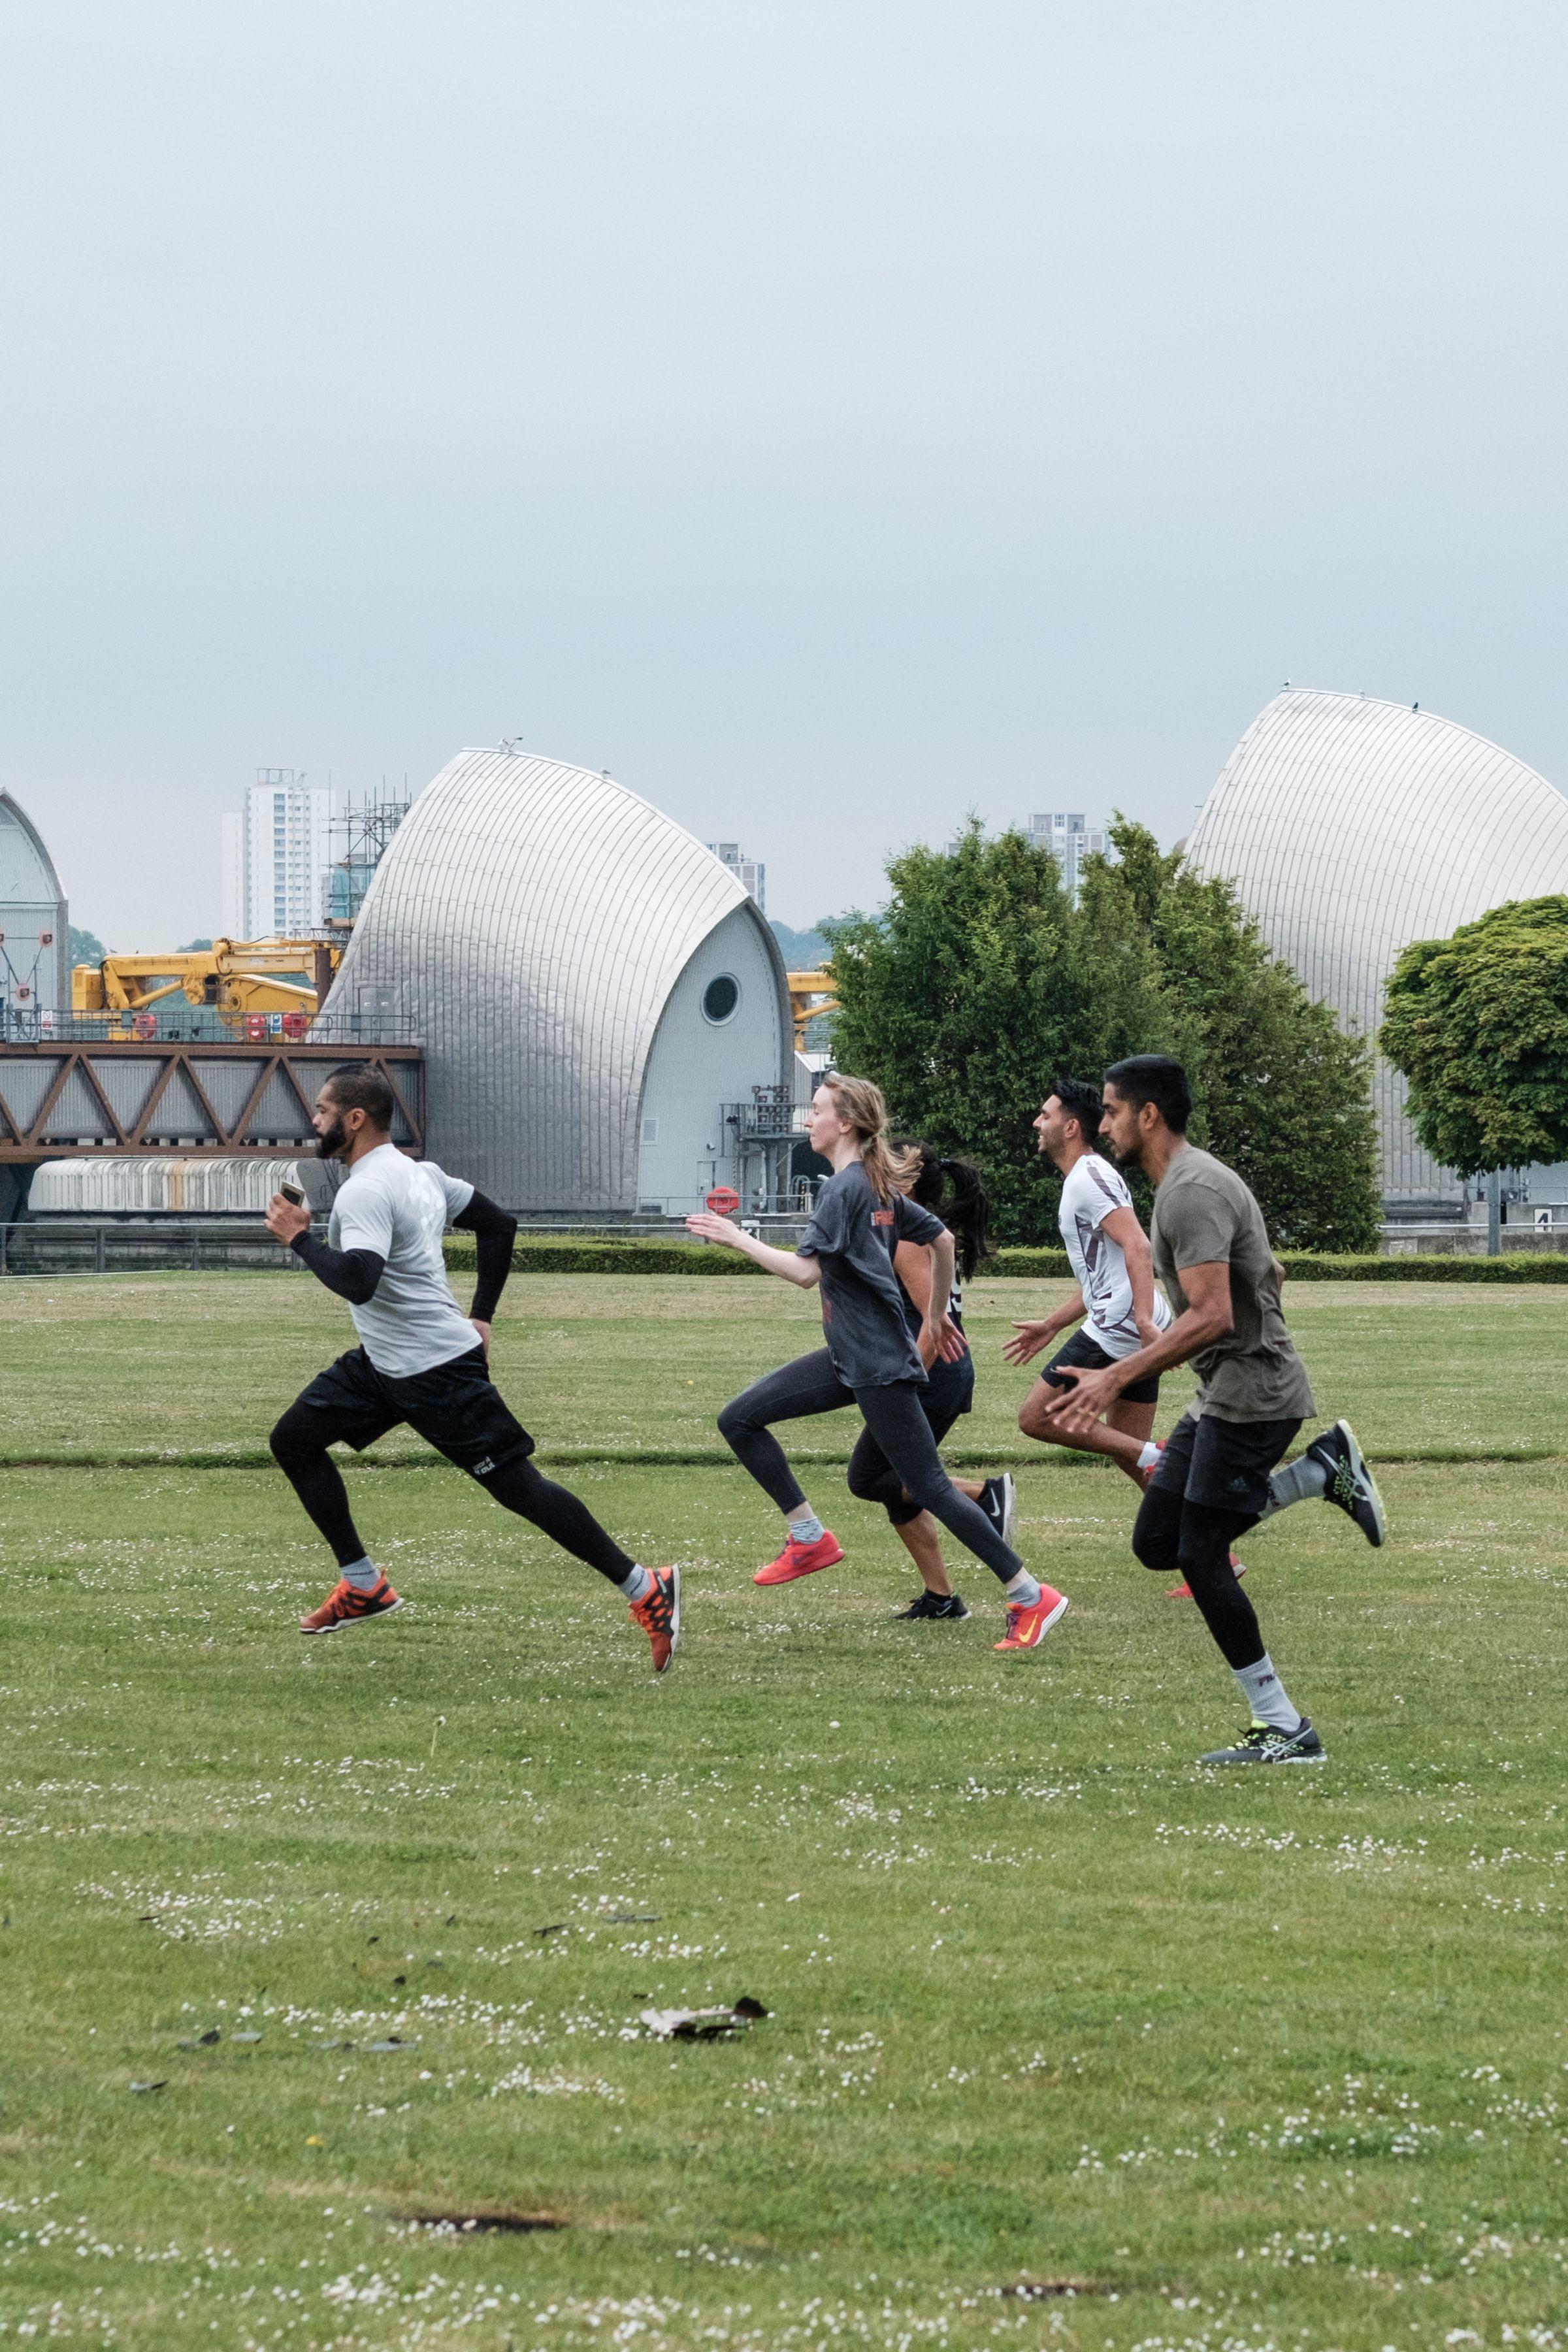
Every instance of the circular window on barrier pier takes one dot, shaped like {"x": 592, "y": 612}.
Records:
{"x": 720, "y": 999}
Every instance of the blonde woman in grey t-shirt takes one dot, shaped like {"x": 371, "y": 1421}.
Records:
{"x": 1212, "y": 1254}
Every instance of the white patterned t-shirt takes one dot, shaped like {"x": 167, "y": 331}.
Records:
{"x": 1090, "y": 1190}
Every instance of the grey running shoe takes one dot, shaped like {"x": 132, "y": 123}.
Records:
{"x": 932, "y": 1604}
{"x": 1264, "y": 1743}
{"x": 1351, "y": 1484}
{"x": 999, "y": 1501}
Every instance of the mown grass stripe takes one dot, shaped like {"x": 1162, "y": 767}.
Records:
{"x": 670, "y": 1457}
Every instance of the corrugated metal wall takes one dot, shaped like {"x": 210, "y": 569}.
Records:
{"x": 111, "y": 1187}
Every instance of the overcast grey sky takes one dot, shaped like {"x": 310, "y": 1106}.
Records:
{"x": 827, "y": 417}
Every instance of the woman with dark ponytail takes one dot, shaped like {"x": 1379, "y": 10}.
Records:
{"x": 954, "y": 1191}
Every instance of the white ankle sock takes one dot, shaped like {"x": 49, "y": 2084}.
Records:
{"x": 1023, "y": 1592}
{"x": 364, "y": 1575}
{"x": 1264, "y": 1695}
{"x": 807, "y": 1528}
{"x": 638, "y": 1586}
{"x": 1149, "y": 1455}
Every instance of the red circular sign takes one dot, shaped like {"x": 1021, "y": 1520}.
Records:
{"x": 723, "y": 1202}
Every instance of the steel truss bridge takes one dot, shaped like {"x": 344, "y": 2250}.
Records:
{"x": 66, "y": 1097}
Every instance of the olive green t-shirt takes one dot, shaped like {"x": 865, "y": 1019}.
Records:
{"x": 1204, "y": 1215}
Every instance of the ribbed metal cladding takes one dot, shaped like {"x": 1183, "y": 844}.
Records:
{"x": 1351, "y": 827}
{"x": 533, "y": 918}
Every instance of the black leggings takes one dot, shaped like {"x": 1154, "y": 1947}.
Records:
{"x": 892, "y": 1414}
{"x": 872, "y": 1478}
{"x": 1170, "y": 1533}
{"x": 300, "y": 1446}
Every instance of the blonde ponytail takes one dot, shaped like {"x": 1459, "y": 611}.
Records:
{"x": 862, "y": 1108}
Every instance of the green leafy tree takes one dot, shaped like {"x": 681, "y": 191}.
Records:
{"x": 977, "y": 983}
{"x": 1478, "y": 1025}
{"x": 86, "y": 947}
{"x": 1282, "y": 1093}
{"x": 980, "y": 981}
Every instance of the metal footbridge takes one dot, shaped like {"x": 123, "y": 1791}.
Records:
{"x": 77, "y": 1086}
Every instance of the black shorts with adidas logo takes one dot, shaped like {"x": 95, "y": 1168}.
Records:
{"x": 1222, "y": 1465}
{"x": 456, "y": 1407}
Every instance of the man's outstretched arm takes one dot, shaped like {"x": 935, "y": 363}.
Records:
{"x": 1207, "y": 1318}
{"x": 494, "y": 1231}
{"x": 350, "y": 1274}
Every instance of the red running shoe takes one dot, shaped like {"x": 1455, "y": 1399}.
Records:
{"x": 346, "y": 1605}
{"x": 1184, "y": 1592}
{"x": 658, "y": 1614}
{"x": 1026, "y": 1625}
{"x": 801, "y": 1560}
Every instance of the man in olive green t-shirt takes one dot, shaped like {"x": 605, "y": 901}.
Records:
{"x": 1213, "y": 1480}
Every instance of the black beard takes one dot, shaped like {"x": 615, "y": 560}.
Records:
{"x": 328, "y": 1146}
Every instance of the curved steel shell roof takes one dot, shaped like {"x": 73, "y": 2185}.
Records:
{"x": 533, "y": 918}
{"x": 31, "y": 901}
{"x": 1351, "y": 827}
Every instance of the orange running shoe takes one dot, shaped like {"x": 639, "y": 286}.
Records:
{"x": 658, "y": 1614}
{"x": 1184, "y": 1592}
{"x": 346, "y": 1605}
{"x": 1026, "y": 1625}
{"x": 801, "y": 1560}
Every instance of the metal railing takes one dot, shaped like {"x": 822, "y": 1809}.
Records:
{"x": 69, "y": 1245}
{"x": 203, "y": 1024}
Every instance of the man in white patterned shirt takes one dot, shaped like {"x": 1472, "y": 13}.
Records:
{"x": 1116, "y": 1299}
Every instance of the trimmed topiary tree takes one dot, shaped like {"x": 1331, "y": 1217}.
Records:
{"x": 1478, "y": 1024}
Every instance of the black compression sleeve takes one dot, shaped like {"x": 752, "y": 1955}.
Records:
{"x": 351, "y": 1273}
{"x": 494, "y": 1231}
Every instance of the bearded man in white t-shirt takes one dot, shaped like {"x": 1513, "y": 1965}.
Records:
{"x": 420, "y": 1360}
{"x": 1116, "y": 1301}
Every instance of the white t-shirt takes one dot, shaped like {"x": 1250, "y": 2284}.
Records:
{"x": 1092, "y": 1190}
{"x": 400, "y": 1208}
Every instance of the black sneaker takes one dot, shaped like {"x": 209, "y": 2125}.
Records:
{"x": 931, "y": 1604}
{"x": 999, "y": 1501}
{"x": 1265, "y": 1743}
{"x": 1351, "y": 1484}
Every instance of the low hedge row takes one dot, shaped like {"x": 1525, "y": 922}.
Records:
{"x": 576, "y": 1256}
{"x": 566, "y": 1257}
{"x": 1321, "y": 1265}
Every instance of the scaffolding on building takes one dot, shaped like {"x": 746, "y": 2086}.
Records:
{"x": 364, "y": 830}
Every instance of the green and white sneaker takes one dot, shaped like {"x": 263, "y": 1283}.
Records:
{"x": 1265, "y": 1743}
{"x": 1351, "y": 1487}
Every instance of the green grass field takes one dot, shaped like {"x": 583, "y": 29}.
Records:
{"x": 1247, "y": 2061}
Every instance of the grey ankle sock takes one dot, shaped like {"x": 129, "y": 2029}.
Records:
{"x": 807, "y": 1528}
{"x": 1301, "y": 1481}
{"x": 1022, "y": 1590}
{"x": 364, "y": 1575}
{"x": 637, "y": 1585}
{"x": 1264, "y": 1695}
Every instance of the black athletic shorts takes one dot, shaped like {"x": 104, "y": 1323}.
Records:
{"x": 1083, "y": 1350}
{"x": 1222, "y": 1465}
{"x": 456, "y": 1407}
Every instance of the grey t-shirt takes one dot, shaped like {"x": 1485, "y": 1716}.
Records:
{"x": 1204, "y": 1215}
{"x": 399, "y": 1208}
{"x": 854, "y": 1235}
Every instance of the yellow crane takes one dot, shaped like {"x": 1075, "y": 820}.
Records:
{"x": 235, "y": 976}
{"x": 810, "y": 992}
